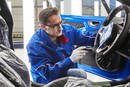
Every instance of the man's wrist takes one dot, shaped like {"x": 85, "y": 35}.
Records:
{"x": 73, "y": 60}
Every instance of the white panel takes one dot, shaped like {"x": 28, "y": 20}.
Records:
{"x": 44, "y": 4}
{"x": 62, "y": 7}
{"x": 53, "y": 3}
{"x": 96, "y": 8}
{"x": 76, "y": 7}
{"x": 28, "y": 21}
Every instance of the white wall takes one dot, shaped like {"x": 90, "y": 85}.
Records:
{"x": 73, "y": 7}
{"x": 28, "y": 21}
{"x": 44, "y": 4}
{"x": 96, "y": 8}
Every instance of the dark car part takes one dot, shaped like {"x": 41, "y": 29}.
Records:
{"x": 125, "y": 49}
{"x": 124, "y": 82}
{"x": 5, "y": 13}
{"x": 106, "y": 57}
{"x": 126, "y": 2}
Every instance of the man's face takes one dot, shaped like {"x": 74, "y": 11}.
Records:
{"x": 54, "y": 28}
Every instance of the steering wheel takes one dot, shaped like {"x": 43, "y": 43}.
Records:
{"x": 110, "y": 37}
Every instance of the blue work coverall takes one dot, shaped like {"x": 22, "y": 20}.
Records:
{"x": 50, "y": 61}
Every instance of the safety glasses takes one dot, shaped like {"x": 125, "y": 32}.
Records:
{"x": 55, "y": 25}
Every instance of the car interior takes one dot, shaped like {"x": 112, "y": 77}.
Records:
{"x": 110, "y": 56}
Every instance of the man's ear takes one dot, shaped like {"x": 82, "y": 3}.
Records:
{"x": 43, "y": 26}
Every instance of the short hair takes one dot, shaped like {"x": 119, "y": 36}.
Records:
{"x": 46, "y": 13}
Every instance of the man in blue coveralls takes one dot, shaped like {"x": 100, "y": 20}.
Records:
{"x": 50, "y": 49}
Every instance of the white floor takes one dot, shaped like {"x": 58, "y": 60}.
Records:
{"x": 21, "y": 53}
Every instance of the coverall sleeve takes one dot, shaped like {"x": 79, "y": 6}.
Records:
{"x": 82, "y": 37}
{"x": 44, "y": 66}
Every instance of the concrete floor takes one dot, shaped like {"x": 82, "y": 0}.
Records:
{"x": 21, "y": 53}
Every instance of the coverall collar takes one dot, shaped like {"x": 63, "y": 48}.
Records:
{"x": 63, "y": 39}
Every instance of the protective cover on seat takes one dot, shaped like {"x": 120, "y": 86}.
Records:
{"x": 69, "y": 82}
{"x": 4, "y": 33}
{"x": 13, "y": 69}
{"x": 13, "y": 72}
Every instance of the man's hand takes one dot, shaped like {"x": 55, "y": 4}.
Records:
{"x": 78, "y": 54}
